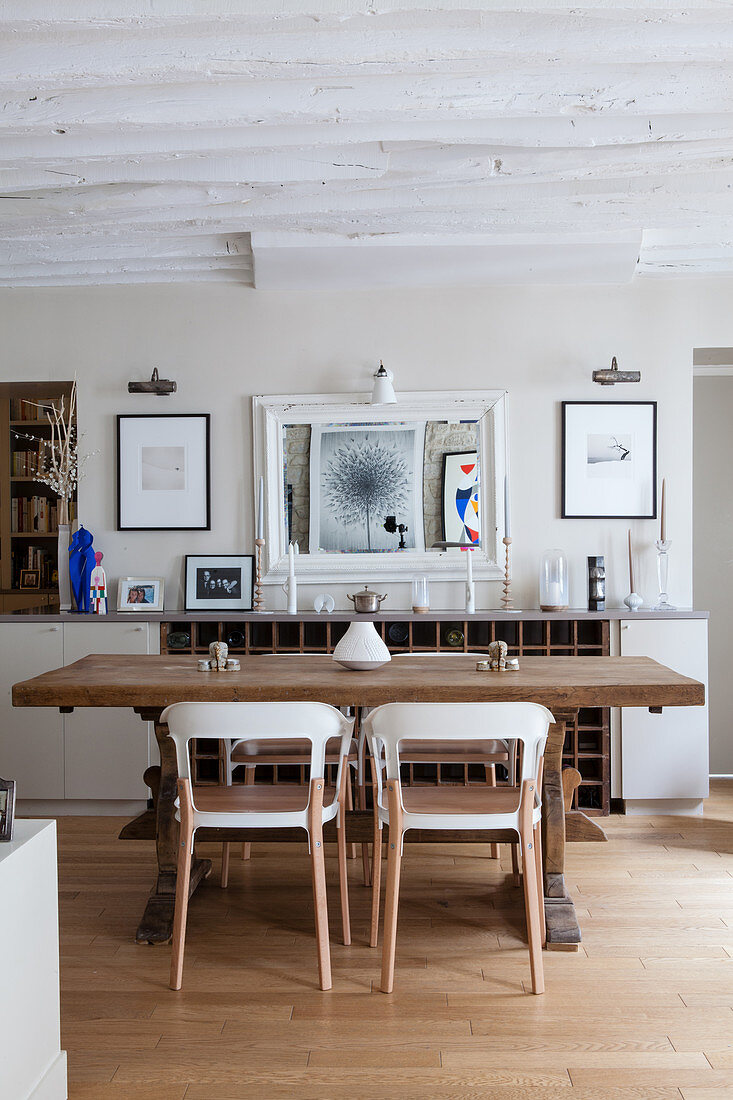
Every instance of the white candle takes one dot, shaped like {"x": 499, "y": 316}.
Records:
{"x": 291, "y": 561}
{"x": 554, "y": 594}
{"x": 261, "y": 510}
{"x": 663, "y": 523}
{"x": 469, "y": 566}
{"x": 631, "y": 567}
{"x": 507, "y": 518}
{"x": 297, "y": 548}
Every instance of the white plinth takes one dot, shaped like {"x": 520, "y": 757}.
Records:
{"x": 33, "y": 1064}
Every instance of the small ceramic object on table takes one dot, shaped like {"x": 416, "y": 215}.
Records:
{"x": 497, "y": 655}
{"x": 361, "y": 648}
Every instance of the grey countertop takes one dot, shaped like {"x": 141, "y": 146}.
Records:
{"x": 532, "y": 614}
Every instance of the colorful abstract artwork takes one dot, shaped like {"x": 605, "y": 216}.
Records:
{"x": 461, "y": 482}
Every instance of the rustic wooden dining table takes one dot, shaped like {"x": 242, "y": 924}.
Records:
{"x": 148, "y": 684}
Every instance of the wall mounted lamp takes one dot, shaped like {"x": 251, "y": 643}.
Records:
{"x": 613, "y": 375}
{"x": 383, "y": 392}
{"x": 161, "y": 386}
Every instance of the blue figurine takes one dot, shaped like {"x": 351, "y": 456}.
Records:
{"x": 81, "y": 563}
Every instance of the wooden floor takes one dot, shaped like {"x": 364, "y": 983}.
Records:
{"x": 644, "y": 1010}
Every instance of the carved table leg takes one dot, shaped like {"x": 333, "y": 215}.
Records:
{"x": 563, "y": 933}
{"x": 156, "y": 925}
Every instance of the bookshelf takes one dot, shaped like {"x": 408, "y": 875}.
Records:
{"x": 28, "y": 509}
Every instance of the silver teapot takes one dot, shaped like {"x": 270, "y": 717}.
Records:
{"x": 366, "y": 602}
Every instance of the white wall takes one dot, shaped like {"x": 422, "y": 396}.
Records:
{"x": 223, "y": 344}
{"x": 713, "y": 548}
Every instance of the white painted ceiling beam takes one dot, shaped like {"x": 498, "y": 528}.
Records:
{"x": 182, "y": 50}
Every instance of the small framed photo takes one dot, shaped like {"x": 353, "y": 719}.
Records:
{"x": 163, "y": 473}
{"x": 609, "y": 459}
{"x": 223, "y": 583}
{"x": 7, "y": 808}
{"x": 30, "y": 578}
{"x": 140, "y": 594}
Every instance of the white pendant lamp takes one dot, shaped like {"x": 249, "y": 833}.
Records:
{"x": 383, "y": 392}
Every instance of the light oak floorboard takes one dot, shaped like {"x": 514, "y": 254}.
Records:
{"x": 644, "y": 1010}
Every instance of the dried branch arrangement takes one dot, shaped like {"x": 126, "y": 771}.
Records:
{"x": 59, "y": 465}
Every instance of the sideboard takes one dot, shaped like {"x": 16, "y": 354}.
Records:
{"x": 62, "y": 765}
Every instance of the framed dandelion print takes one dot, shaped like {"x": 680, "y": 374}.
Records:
{"x": 609, "y": 459}
{"x": 359, "y": 475}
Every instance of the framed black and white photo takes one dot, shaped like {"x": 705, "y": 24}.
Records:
{"x": 359, "y": 475}
{"x": 140, "y": 594}
{"x": 7, "y": 808}
{"x": 163, "y": 473}
{"x": 609, "y": 459}
{"x": 219, "y": 583}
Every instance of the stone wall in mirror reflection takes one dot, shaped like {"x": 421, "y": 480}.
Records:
{"x": 441, "y": 437}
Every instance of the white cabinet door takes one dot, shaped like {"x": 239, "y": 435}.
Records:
{"x": 666, "y": 755}
{"x": 106, "y": 748}
{"x": 31, "y": 738}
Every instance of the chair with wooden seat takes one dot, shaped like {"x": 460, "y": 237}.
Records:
{"x": 517, "y": 810}
{"x": 256, "y": 752}
{"x": 487, "y": 751}
{"x": 263, "y": 807}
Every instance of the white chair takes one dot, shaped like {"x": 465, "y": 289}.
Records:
{"x": 260, "y": 752}
{"x": 486, "y": 751}
{"x": 262, "y": 807}
{"x": 515, "y": 809}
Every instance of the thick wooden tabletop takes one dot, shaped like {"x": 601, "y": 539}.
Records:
{"x": 114, "y": 680}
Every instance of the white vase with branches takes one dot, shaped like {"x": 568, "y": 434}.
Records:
{"x": 60, "y": 467}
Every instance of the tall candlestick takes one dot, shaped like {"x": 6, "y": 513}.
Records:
{"x": 631, "y": 567}
{"x": 663, "y": 523}
{"x": 261, "y": 509}
{"x": 291, "y": 586}
{"x": 469, "y": 565}
{"x": 507, "y": 514}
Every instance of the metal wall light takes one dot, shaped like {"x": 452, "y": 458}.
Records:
{"x": 161, "y": 386}
{"x": 614, "y": 375}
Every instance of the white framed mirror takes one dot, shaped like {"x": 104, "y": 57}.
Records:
{"x": 382, "y": 491}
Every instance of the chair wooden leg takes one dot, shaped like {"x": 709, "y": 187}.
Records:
{"x": 376, "y": 877}
{"x": 531, "y": 890}
{"x": 318, "y": 871}
{"x": 350, "y": 806}
{"x": 183, "y": 876}
{"x": 515, "y": 865}
{"x": 362, "y": 803}
{"x": 249, "y": 778}
{"x": 225, "y": 865}
{"x": 341, "y": 838}
{"x": 494, "y": 850}
{"x": 540, "y": 883}
{"x": 392, "y": 893}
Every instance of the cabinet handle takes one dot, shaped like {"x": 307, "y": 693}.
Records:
{"x": 625, "y": 626}
{"x": 138, "y": 629}
{"x": 54, "y": 629}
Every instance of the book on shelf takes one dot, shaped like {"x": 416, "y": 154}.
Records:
{"x": 37, "y": 515}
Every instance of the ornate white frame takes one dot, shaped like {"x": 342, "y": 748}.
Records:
{"x": 488, "y": 407}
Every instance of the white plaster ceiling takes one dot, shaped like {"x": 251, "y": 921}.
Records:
{"x": 364, "y": 143}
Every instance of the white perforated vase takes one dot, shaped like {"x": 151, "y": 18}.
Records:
{"x": 361, "y": 648}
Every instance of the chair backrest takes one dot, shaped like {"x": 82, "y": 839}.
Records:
{"x": 238, "y": 722}
{"x": 527, "y": 723}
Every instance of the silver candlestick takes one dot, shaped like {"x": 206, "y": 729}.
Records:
{"x": 663, "y": 603}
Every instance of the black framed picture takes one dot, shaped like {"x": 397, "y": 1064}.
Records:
{"x": 163, "y": 472}
{"x": 30, "y": 578}
{"x": 223, "y": 582}
{"x": 609, "y": 459}
{"x": 7, "y": 808}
